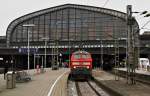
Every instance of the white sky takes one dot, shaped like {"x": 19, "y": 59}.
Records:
{"x": 12, "y": 9}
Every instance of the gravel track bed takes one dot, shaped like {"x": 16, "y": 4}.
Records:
{"x": 98, "y": 89}
{"x": 86, "y": 89}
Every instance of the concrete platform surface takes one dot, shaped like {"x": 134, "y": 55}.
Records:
{"x": 121, "y": 86}
{"x": 144, "y": 72}
{"x": 40, "y": 84}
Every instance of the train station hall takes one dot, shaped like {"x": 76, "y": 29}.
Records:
{"x": 75, "y": 50}
{"x": 52, "y": 34}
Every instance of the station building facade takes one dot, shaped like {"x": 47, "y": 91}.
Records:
{"x": 68, "y": 28}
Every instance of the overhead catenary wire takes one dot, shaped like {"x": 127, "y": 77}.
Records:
{"x": 105, "y": 3}
{"x": 145, "y": 24}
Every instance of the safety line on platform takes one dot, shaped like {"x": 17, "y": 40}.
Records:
{"x": 51, "y": 90}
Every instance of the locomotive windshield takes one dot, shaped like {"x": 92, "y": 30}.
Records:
{"x": 85, "y": 56}
{"x": 81, "y": 54}
{"x": 77, "y": 56}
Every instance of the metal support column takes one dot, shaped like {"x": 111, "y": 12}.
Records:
{"x": 45, "y": 54}
{"x": 102, "y": 54}
{"x": 116, "y": 59}
{"x": 52, "y": 62}
{"x": 57, "y": 52}
{"x": 34, "y": 61}
{"x": 131, "y": 50}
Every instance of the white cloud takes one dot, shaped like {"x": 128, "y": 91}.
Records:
{"x": 12, "y": 9}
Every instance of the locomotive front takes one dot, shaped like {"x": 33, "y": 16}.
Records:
{"x": 81, "y": 65}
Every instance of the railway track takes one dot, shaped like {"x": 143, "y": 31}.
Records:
{"x": 88, "y": 88}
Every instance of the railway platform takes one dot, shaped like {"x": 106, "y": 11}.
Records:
{"x": 120, "y": 87}
{"x": 142, "y": 72}
{"x": 141, "y": 75}
{"x": 44, "y": 84}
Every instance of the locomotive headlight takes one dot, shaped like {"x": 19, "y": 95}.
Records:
{"x": 74, "y": 67}
{"x": 86, "y": 63}
{"x": 87, "y": 67}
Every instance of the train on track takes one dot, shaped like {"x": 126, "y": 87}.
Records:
{"x": 81, "y": 65}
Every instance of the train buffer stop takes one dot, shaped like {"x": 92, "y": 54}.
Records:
{"x": 43, "y": 84}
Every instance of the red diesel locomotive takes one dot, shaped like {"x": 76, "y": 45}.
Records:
{"x": 81, "y": 65}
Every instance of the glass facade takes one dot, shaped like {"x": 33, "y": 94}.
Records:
{"x": 69, "y": 28}
{"x": 70, "y": 24}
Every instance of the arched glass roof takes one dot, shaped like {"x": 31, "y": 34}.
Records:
{"x": 14, "y": 24}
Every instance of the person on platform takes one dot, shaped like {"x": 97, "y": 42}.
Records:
{"x": 5, "y": 71}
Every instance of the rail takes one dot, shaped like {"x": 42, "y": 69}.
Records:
{"x": 89, "y": 88}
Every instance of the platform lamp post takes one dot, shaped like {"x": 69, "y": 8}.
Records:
{"x": 60, "y": 56}
{"x": 28, "y": 26}
{"x": 70, "y": 39}
{"x": 101, "y": 52}
{"x": 45, "y": 53}
{"x": 52, "y": 44}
